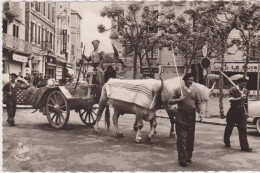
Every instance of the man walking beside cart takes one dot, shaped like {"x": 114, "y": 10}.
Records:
{"x": 11, "y": 89}
{"x": 188, "y": 100}
{"x": 237, "y": 115}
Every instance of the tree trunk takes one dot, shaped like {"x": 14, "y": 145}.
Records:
{"x": 221, "y": 85}
{"x": 196, "y": 71}
{"x": 258, "y": 79}
{"x": 148, "y": 63}
{"x": 246, "y": 64}
{"x": 135, "y": 65}
{"x": 141, "y": 63}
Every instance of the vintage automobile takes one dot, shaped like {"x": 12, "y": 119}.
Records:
{"x": 254, "y": 114}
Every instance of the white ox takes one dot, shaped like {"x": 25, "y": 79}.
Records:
{"x": 161, "y": 91}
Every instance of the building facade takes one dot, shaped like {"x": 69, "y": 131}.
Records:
{"x": 16, "y": 49}
{"x": 40, "y": 32}
{"x": 76, "y": 45}
{"x": 63, "y": 40}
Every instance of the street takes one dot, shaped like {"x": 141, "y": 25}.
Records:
{"x": 77, "y": 149}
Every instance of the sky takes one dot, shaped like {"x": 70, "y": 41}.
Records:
{"x": 90, "y": 13}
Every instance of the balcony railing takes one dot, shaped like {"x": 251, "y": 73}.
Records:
{"x": 46, "y": 45}
{"x": 12, "y": 42}
{"x": 12, "y": 9}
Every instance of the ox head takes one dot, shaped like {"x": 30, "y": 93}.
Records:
{"x": 170, "y": 85}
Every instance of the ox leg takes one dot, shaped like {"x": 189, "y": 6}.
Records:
{"x": 115, "y": 121}
{"x": 140, "y": 125}
{"x": 102, "y": 105}
{"x": 135, "y": 125}
{"x": 153, "y": 124}
{"x": 171, "y": 115}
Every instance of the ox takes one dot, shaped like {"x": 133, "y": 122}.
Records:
{"x": 161, "y": 92}
{"x": 170, "y": 86}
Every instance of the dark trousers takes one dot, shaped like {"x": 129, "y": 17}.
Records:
{"x": 185, "y": 130}
{"x": 11, "y": 107}
{"x": 236, "y": 117}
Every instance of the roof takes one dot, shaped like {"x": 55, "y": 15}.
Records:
{"x": 75, "y": 12}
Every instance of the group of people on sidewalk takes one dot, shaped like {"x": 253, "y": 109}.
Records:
{"x": 188, "y": 102}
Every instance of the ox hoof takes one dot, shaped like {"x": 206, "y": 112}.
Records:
{"x": 138, "y": 140}
{"x": 120, "y": 135}
{"x": 148, "y": 138}
{"x": 172, "y": 135}
{"x": 135, "y": 128}
{"x": 95, "y": 132}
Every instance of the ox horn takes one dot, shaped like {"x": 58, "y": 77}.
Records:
{"x": 155, "y": 98}
{"x": 211, "y": 89}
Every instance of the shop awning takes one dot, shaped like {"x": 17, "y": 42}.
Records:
{"x": 60, "y": 59}
{"x": 70, "y": 71}
{"x": 20, "y": 58}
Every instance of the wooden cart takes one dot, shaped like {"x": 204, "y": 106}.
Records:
{"x": 56, "y": 102}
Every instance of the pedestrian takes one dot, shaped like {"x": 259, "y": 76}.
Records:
{"x": 27, "y": 77}
{"x": 187, "y": 103}
{"x": 20, "y": 75}
{"x": 237, "y": 114}
{"x": 11, "y": 89}
{"x": 35, "y": 79}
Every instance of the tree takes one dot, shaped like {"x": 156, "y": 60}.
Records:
{"x": 138, "y": 28}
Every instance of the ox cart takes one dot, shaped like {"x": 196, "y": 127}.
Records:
{"x": 56, "y": 102}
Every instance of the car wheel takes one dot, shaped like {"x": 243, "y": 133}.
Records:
{"x": 258, "y": 125}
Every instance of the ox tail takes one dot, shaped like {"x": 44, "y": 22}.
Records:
{"x": 107, "y": 118}
{"x": 157, "y": 96}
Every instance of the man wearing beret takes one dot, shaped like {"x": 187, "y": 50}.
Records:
{"x": 188, "y": 103}
{"x": 96, "y": 58}
{"x": 11, "y": 89}
{"x": 237, "y": 114}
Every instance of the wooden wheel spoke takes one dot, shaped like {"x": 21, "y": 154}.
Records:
{"x": 94, "y": 112}
{"x": 92, "y": 118}
{"x": 55, "y": 97}
{"x": 52, "y": 100}
{"x": 50, "y": 105}
{"x": 81, "y": 114}
{"x": 56, "y": 120}
{"x": 53, "y": 116}
{"x": 62, "y": 116}
{"x": 60, "y": 119}
{"x": 86, "y": 117}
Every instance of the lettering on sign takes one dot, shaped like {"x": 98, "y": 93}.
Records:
{"x": 235, "y": 67}
{"x": 64, "y": 41}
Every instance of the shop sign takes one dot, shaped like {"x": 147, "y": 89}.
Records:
{"x": 64, "y": 41}
{"x": 235, "y": 67}
{"x": 20, "y": 58}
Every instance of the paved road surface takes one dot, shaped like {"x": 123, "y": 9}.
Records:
{"x": 78, "y": 149}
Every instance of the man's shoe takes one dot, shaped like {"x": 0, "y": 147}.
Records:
{"x": 183, "y": 164}
{"x": 247, "y": 149}
{"x": 227, "y": 145}
{"x": 8, "y": 121}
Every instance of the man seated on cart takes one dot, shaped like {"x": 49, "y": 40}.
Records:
{"x": 96, "y": 63}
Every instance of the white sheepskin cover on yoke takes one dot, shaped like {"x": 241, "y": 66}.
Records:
{"x": 140, "y": 92}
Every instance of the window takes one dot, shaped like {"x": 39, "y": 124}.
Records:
{"x": 153, "y": 54}
{"x": 72, "y": 49}
{"x": 44, "y": 10}
{"x": 39, "y": 35}
{"x": 32, "y": 32}
{"x": 53, "y": 16}
{"x": 37, "y": 6}
{"x": 49, "y": 10}
{"x": 15, "y": 30}
{"x": 35, "y": 36}
{"x": 4, "y": 26}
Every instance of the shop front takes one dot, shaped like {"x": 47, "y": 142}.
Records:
{"x": 233, "y": 68}
{"x": 50, "y": 67}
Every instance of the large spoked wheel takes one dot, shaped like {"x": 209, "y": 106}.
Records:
{"x": 258, "y": 125}
{"x": 57, "y": 110}
{"x": 88, "y": 116}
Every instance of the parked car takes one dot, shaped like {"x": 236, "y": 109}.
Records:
{"x": 254, "y": 114}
